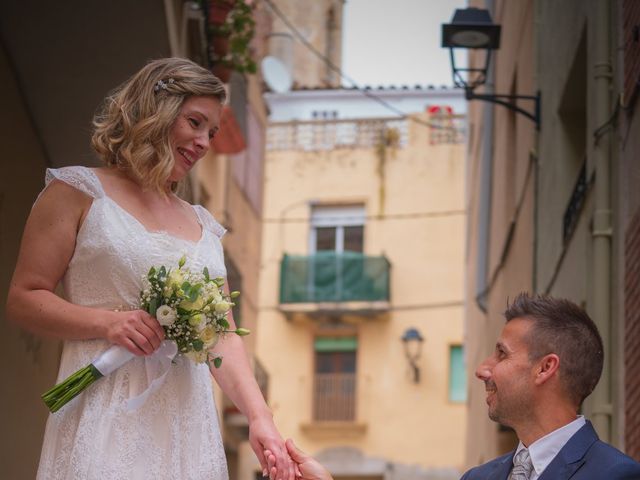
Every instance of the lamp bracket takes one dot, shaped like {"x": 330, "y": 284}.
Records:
{"x": 502, "y": 100}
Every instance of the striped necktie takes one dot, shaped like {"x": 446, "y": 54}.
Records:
{"x": 522, "y": 466}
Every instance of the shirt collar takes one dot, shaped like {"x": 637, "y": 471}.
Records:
{"x": 545, "y": 449}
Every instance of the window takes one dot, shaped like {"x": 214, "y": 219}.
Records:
{"x": 337, "y": 229}
{"x": 335, "y": 379}
{"x": 457, "y": 375}
{"x": 336, "y": 243}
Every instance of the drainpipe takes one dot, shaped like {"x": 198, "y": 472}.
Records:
{"x": 484, "y": 196}
{"x": 602, "y": 221}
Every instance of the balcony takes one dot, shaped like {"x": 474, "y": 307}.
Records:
{"x": 334, "y": 397}
{"x": 346, "y": 282}
{"x": 334, "y": 408}
{"x": 322, "y": 135}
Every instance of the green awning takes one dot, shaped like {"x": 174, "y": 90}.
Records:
{"x": 336, "y": 344}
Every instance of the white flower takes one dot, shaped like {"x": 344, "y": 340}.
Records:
{"x": 166, "y": 315}
{"x": 222, "y": 307}
{"x": 197, "y": 305}
{"x": 197, "y": 357}
{"x": 198, "y": 321}
{"x": 209, "y": 336}
{"x": 176, "y": 278}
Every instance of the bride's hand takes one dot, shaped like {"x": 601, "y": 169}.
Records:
{"x": 263, "y": 436}
{"x": 135, "y": 330}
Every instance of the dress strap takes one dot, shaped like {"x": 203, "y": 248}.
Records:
{"x": 208, "y": 221}
{"x": 81, "y": 178}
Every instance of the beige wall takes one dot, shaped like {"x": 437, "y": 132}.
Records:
{"x": 552, "y": 47}
{"x": 419, "y": 227}
{"x": 313, "y": 23}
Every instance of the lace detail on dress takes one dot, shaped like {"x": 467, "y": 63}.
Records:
{"x": 209, "y": 222}
{"x": 175, "y": 434}
{"x": 80, "y": 178}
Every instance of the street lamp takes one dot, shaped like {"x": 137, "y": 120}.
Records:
{"x": 412, "y": 341}
{"x": 472, "y": 28}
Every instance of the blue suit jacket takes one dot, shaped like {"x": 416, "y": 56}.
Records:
{"x": 584, "y": 457}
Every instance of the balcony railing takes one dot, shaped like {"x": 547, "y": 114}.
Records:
{"x": 334, "y": 277}
{"x": 317, "y": 135}
{"x": 334, "y": 397}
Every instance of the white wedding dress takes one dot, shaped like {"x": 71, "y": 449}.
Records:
{"x": 175, "y": 433}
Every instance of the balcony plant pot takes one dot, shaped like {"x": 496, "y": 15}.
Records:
{"x": 222, "y": 71}
{"x": 219, "y": 10}
{"x": 230, "y": 40}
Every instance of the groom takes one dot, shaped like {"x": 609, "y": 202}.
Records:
{"x": 547, "y": 360}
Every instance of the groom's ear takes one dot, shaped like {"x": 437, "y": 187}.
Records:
{"x": 546, "y": 368}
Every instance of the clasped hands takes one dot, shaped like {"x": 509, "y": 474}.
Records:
{"x": 306, "y": 467}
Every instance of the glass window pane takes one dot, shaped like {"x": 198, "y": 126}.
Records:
{"x": 335, "y": 362}
{"x": 354, "y": 239}
{"x": 457, "y": 375}
{"x": 325, "y": 238}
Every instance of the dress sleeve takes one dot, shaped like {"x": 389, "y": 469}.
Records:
{"x": 209, "y": 222}
{"x": 81, "y": 178}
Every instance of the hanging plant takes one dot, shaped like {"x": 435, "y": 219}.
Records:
{"x": 230, "y": 40}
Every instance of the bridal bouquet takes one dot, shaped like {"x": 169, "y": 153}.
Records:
{"x": 191, "y": 307}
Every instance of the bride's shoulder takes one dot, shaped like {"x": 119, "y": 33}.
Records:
{"x": 208, "y": 221}
{"x": 81, "y": 179}
{"x": 62, "y": 196}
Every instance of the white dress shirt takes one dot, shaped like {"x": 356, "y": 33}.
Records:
{"x": 545, "y": 449}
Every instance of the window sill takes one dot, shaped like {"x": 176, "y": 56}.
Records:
{"x": 334, "y": 429}
{"x": 356, "y": 311}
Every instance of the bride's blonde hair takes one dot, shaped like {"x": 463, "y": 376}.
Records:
{"x": 131, "y": 129}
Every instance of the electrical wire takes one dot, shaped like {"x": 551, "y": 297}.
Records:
{"x": 274, "y": 8}
{"x": 393, "y": 216}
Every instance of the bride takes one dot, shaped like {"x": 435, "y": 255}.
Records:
{"x": 98, "y": 231}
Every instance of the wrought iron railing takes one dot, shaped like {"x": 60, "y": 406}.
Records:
{"x": 334, "y": 277}
{"x": 334, "y": 397}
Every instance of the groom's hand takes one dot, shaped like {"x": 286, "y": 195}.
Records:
{"x": 135, "y": 330}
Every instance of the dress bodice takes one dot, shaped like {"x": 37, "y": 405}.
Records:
{"x": 114, "y": 250}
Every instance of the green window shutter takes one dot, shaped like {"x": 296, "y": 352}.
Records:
{"x": 457, "y": 375}
{"x": 336, "y": 344}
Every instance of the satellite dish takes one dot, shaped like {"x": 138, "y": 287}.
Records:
{"x": 276, "y": 75}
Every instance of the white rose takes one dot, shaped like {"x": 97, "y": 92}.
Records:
{"x": 197, "y": 305}
{"x": 166, "y": 315}
{"x": 209, "y": 336}
{"x": 198, "y": 321}
{"x": 175, "y": 280}
{"x": 197, "y": 357}
{"x": 222, "y": 307}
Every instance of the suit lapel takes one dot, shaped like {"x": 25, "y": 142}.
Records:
{"x": 502, "y": 468}
{"x": 571, "y": 457}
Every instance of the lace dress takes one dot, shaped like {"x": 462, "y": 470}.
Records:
{"x": 175, "y": 433}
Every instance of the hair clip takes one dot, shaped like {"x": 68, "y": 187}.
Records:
{"x": 160, "y": 84}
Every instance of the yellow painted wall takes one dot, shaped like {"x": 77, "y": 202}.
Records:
{"x": 419, "y": 227}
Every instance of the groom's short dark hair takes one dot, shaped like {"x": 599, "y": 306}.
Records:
{"x": 562, "y": 327}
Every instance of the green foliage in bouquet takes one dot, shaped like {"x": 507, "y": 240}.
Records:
{"x": 191, "y": 306}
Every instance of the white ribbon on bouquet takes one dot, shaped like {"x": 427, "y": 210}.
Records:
{"x": 157, "y": 366}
